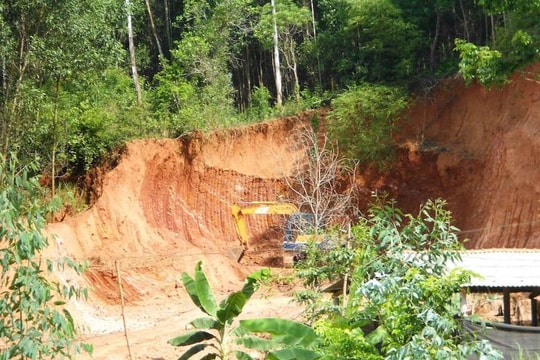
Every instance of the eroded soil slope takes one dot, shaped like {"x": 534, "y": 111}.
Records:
{"x": 484, "y": 150}
{"x": 166, "y": 203}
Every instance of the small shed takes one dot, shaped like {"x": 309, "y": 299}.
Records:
{"x": 504, "y": 271}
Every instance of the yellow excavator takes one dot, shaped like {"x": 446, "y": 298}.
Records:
{"x": 295, "y": 239}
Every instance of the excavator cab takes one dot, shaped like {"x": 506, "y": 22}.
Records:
{"x": 297, "y": 231}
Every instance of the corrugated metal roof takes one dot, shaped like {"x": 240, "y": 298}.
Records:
{"x": 502, "y": 267}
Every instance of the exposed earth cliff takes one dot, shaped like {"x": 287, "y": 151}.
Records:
{"x": 484, "y": 153}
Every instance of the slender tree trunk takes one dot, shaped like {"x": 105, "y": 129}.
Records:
{"x": 248, "y": 75}
{"x": 13, "y": 109}
{"x": 347, "y": 273}
{"x": 296, "y": 79}
{"x": 465, "y": 22}
{"x": 492, "y": 29}
{"x": 54, "y": 136}
{"x": 13, "y": 93}
{"x": 168, "y": 31}
{"x": 260, "y": 71}
{"x": 290, "y": 60}
{"x": 486, "y": 28}
{"x": 277, "y": 65}
{"x": 3, "y": 122}
{"x": 247, "y": 78}
{"x": 153, "y": 26}
{"x": 132, "y": 55}
{"x": 315, "y": 40}
{"x": 4, "y": 77}
{"x": 435, "y": 40}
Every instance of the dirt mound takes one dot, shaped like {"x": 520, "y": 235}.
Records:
{"x": 166, "y": 203}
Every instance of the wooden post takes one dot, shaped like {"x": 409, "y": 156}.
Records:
{"x": 506, "y": 305}
{"x": 534, "y": 311}
{"x": 116, "y": 262}
{"x": 347, "y": 274}
{"x": 464, "y": 309}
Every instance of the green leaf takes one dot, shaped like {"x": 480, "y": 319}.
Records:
{"x": 206, "y": 323}
{"x": 256, "y": 343}
{"x": 253, "y": 280}
{"x": 204, "y": 292}
{"x": 240, "y": 355}
{"x": 89, "y": 348}
{"x": 292, "y": 354}
{"x": 287, "y": 332}
{"x": 189, "y": 284}
{"x": 191, "y": 338}
{"x": 377, "y": 336}
{"x": 193, "y": 351}
{"x": 210, "y": 356}
{"x": 232, "y": 306}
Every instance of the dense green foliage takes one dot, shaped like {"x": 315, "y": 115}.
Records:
{"x": 400, "y": 301}
{"x": 67, "y": 95}
{"x": 34, "y": 323}
{"x": 45, "y": 46}
{"x": 370, "y": 33}
{"x": 480, "y": 63}
{"x": 514, "y": 42}
{"x": 363, "y": 120}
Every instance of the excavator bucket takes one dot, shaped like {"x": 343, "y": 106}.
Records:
{"x": 236, "y": 252}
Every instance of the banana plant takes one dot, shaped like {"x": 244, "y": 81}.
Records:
{"x": 280, "y": 339}
{"x": 214, "y": 333}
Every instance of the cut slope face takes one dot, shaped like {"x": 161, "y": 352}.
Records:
{"x": 166, "y": 204}
{"x": 486, "y": 148}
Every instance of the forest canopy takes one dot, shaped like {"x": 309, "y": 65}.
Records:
{"x": 80, "y": 77}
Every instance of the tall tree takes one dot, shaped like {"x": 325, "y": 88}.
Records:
{"x": 132, "y": 55}
{"x": 43, "y": 45}
{"x": 314, "y": 26}
{"x": 196, "y": 83}
{"x": 168, "y": 25}
{"x": 277, "y": 63}
{"x": 285, "y": 23}
{"x": 153, "y": 27}
{"x": 375, "y": 54}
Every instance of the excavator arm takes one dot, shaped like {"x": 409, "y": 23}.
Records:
{"x": 257, "y": 208}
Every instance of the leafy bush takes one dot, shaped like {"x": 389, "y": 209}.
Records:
{"x": 399, "y": 301}
{"x": 363, "y": 119}
{"x": 519, "y": 41}
{"x": 480, "y": 63}
{"x": 260, "y": 103}
{"x": 33, "y": 321}
{"x": 100, "y": 112}
{"x": 341, "y": 342}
